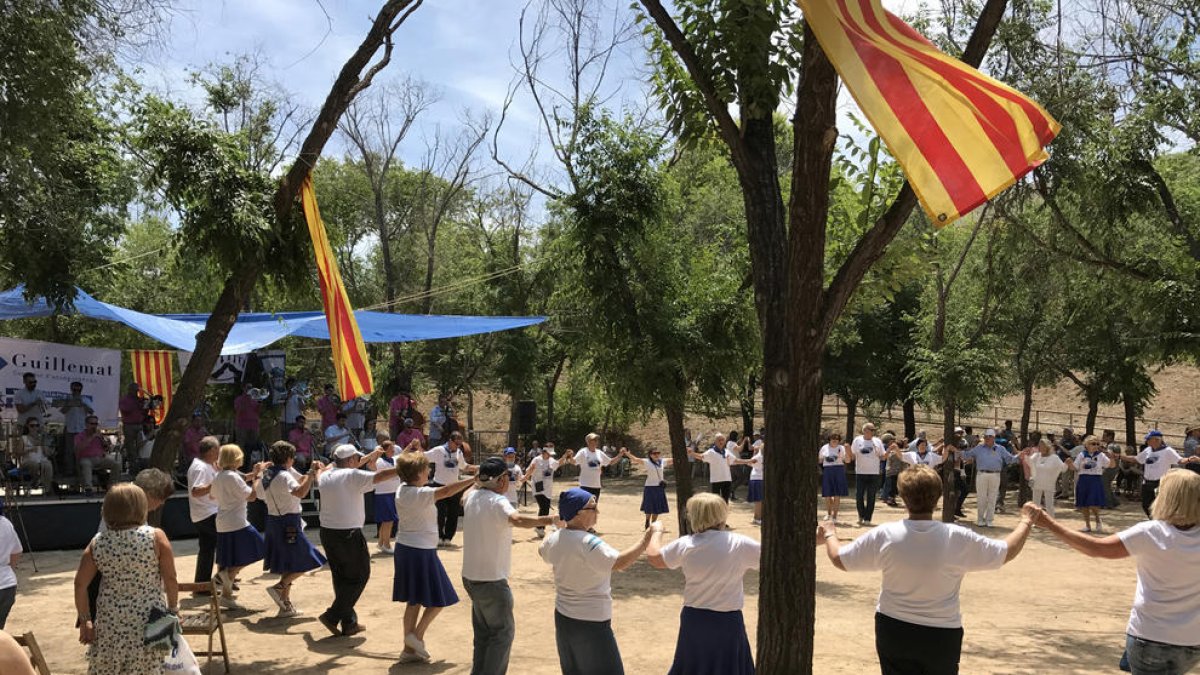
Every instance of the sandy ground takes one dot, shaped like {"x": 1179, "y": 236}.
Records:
{"x": 1049, "y": 611}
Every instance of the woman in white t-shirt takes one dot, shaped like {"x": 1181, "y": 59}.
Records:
{"x": 833, "y": 458}
{"x": 1163, "y": 634}
{"x": 10, "y": 553}
{"x": 654, "y": 492}
{"x": 1044, "y": 467}
{"x": 420, "y": 580}
{"x": 1089, "y": 465}
{"x": 385, "y": 496}
{"x": 718, "y": 458}
{"x": 712, "y": 632}
{"x": 288, "y": 552}
{"x": 541, "y": 472}
{"x": 238, "y": 542}
{"x": 583, "y": 566}
{"x": 923, "y": 563}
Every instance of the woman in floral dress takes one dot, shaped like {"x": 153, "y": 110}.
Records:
{"x": 137, "y": 567}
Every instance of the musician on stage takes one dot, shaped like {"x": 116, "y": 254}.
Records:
{"x": 30, "y": 402}
{"x": 246, "y": 411}
{"x": 133, "y": 410}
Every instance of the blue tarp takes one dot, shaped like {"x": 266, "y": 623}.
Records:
{"x": 257, "y": 330}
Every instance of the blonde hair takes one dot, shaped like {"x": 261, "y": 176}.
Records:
{"x": 1043, "y": 443}
{"x": 706, "y": 511}
{"x": 230, "y": 458}
{"x": 592, "y": 437}
{"x": 920, "y": 488}
{"x": 1178, "y": 501}
{"x": 410, "y": 466}
{"x": 124, "y": 507}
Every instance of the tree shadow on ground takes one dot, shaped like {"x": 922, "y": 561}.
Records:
{"x": 1036, "y": 653}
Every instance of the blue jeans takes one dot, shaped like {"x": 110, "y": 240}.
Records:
{"x": 493, "y": 624}
{"x": 865, "y": 488}
{"x": 1155, "y": 658}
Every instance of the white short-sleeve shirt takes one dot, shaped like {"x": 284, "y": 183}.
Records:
{"x": 923, "y": 563}
{"x": 487, "y": 536}
{"x": 654, "y": 472}
{"x": 1166, "y": 603}
{"x": 543, "y": 476}
{"x": 718, "y": 465}
{"x": 832, "y": 455}
{"x": 931, "y": 458}
{"x": 230, "y": 490}
{"x": 278, "y": 495}
{"x": 1157, "y": 463}
{"x": 756, "y": 466}
{"x": 867, "y": 454}
{"x": 342, "y": 493}
{"x": 390, "y": 485}
{"x": 447, "y": 465}
{"x": 713, "y": 563}
{"x": 199, "y": 474}
{"x": 582, "y": 574}
{"x": 9, "y": 544}
{"x": 1086, "y": 465}
{"x": 416, "y": 509}
{"x": 590, "y": 462}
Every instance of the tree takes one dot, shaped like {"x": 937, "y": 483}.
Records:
{"x": 719, "y": 55}
{"x": 356, "y": 74}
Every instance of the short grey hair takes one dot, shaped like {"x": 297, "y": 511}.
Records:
{"x": 156, "y": 483}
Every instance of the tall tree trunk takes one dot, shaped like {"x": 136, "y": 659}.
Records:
{"x": 470, "y": 408}
{"x": 851, "y": 416}
{"x": 748, "y": 406}
{"x": 679, "y": 460}
{"x": 430, "y": 251}
{"x": 551, "y": 388}
{"x": 514, "y": 417}
{"x": 1026, "y": 410}
{"x": 1130, "y": 420}
{"x": 910, "y": 417}
{"x": 949, "y": 489}
{"x": 240, "y": 284}
{"x": 1089, "y": 426}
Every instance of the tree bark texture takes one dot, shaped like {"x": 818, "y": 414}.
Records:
{"x": 851, "y": 417}
{"x": 1026, "y": 410}
{"x": 683, "y": 467}
{"x": 910, "y": 417}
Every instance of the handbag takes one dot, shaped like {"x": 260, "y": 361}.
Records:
{"x": 182, "y": 660}
{"x": 162, "y": 630}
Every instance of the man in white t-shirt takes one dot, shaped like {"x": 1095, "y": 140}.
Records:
{"x": 30, "y": 402}
{"x": 342, "y": 486}
{"x": 866, "y": 451}
{"x": 718, "y": 458}
{"x": 337, "y": 434}
{"x": 591, "y": 461}
{"x": 449, "y": 463}
{"x": 487, "y": 561}
{"x": 202, "y": 507}
{"x": 1156, "y": 459}
{"x": 541, "y": 474}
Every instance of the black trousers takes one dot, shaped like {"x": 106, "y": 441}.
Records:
{"x": 895, "y": 642}
{"x": 960, "y": 485}
{"x": 448, "y": 510}
{"x": 543, "y": 503}
{"x": 206, "y": 537}
{"x": 865, "y": 488}
{"x": 1149, "y": 492}
{"x": 723, "y": 488}
{"x": 350, "y": 567}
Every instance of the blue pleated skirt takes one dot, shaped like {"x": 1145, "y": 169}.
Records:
{"x": 239, "y": 548}
{"x": 833, "y": 481}
{"x": 421, "y": 579}
{"x": 754, "y": 492}
{"x": 385, "y": 508}
{"x": 654, "y": 499}
{"x": 712, "y": 643}
{"x": 285, "y": 558}
{"x": 1089, "y": 491}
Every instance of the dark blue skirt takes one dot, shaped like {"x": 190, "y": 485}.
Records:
{"x": 833, "y": 481}
{"x": 240, "y": 548}
{"x": 754, "y": 492}
{"x": 421, "y": 579}
{"x": 385, "y": 508}
{"x": 712, "y": 643}
{"x": 654, "y": 499}
{"x": 285, "y": 558}
{"x": 1089, "y": 491}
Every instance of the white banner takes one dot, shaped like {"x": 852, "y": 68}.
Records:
{"x": 56, "y": 367}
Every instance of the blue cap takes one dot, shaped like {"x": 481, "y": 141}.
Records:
{"x": 510, "y": 451}
{"x": 1153, "y": 433}
{"x": 572, "y": 501}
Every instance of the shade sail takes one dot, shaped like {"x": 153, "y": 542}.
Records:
{"x": 256, "y": 330}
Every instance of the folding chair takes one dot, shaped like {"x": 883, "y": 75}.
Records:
{"x": 35, "y": 653}
{"x": 204, "y": 622}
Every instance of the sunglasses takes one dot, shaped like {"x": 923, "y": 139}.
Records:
{"x": 589, "y": 508}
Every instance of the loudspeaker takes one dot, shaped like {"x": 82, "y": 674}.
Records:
{"x": 526, "y": 417}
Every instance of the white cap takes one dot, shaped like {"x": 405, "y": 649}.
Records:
{"x": 958, "y": 429}
{"x": 345, "y": 451}
{"x": 990, "y": 432}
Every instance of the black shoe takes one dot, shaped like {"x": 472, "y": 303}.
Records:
{"x": 329, "y": 624}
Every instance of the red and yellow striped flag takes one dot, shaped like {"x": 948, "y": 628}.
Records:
{"x": 349, "y": 354}
{"x": 960, "y": 136}
{"x": 154, "y": 372}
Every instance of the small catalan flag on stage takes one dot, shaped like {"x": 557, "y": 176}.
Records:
{"x": 960, "y": 136}
{"x": 154, "y": 372}
{"x": 349, "y": 354}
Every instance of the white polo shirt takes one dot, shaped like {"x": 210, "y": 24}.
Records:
{"x": 543, "y": 475}
{"x": 590, "y": 463}
{"x": 487, "y": 536}
{"x": 582, "y": 574}
{"x": 199, "y": 474}
{"x": 390, "y": 485}
{"x": 416, "y": 509}
{"x": 230, "y": 491}
{"x": 713, "y": 564}
{"x": 447, "y": 465}
{"x": 278, "y": 497}
{"x": 867, "y": 454}
{"x": 342, "y": 493}
{"x": 718, "y": 465}
{"x": 1166, "y": 602}
{"x": 654, "y": 472}
{"x": 1157, "y": 462}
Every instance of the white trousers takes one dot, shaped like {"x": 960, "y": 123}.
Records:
{"x": 987, "y": 488}
{"x": 1044, "y": 497}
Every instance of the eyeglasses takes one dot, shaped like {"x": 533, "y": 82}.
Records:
{"x": 590, "y": 508}
{"x": 93, "y": 424}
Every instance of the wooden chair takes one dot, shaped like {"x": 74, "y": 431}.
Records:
{"x": 35, "y": 653}
{"x": 204, "y": 622}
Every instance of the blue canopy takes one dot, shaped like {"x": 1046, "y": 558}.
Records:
{"x": 257, "y": 330}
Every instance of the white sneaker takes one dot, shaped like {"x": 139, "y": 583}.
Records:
{"x": 288, "y": 611}
{"x": 417, "y": 646}
{"x": 276, "y": 596}
{"x": 385, "y": 549}
{"x": 409, "y": 657}
{"x": 229, "y": 602}
{"x": 224, "y": 583}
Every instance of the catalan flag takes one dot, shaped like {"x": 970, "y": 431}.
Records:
{"x": 349, "y": 354}
{"x": 960, "y": 136}
{"x": 154, "y": 372}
